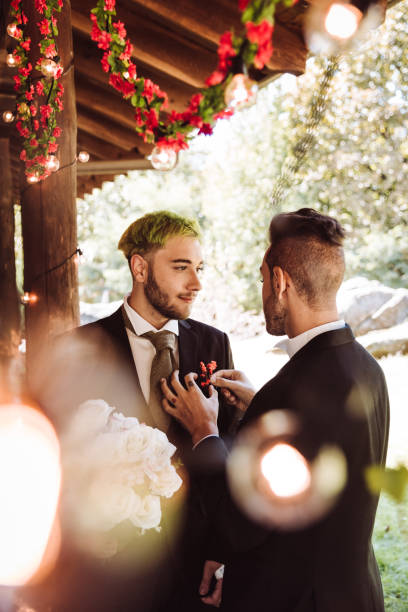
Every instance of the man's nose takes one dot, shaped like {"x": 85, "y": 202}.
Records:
{"x": 194, "y": 282}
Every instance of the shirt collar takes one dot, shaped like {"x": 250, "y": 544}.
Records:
{"x": 293, "y": 345}
{"x": 141, "y": 326}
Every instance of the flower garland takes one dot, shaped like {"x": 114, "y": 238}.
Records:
{"x": 38, "y": 99}
{"x": 253, "y": 47}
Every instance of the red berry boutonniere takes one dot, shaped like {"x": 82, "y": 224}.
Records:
{"x": 206, "y": 372}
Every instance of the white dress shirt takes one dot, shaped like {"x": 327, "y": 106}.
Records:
{"x": 293, "y": 345}
{"x": 143, "y": 350}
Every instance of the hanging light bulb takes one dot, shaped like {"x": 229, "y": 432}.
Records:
{"x": 13, "y": 30}
{"x": 240, "y": 92}
{"x": 33, "y": 178}
{"x": 83, "y": 157}
{"x": 331, "y": 25}
{"x": 11, "y": 61}
{"x": 163, "y": 158}
{"x": 126, "y": 75}
{"x": 52, "y": 163}
{"x": 29, "y": 298}
{"x": 48, "y": 68}
{"x": 8, "y": 116}
{"x": 30, "y": 488}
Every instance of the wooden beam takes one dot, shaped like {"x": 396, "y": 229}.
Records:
{"x": 94, "y": 124}
{"x": 49, "y": 217}
{"x": 86, "y": 184}
{"x": 118, "y": 166}
{"x": 183, "y": 59}
{"x": 96, "y": 147}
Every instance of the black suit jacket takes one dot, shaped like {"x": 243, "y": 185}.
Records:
{"x": 339, "y": 392}
{"x": 95, "y": 361}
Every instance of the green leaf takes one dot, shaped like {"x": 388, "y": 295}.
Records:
{"x": 392, "y": 480}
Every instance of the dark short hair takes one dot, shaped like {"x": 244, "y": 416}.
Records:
{"x": 308, "y": 246}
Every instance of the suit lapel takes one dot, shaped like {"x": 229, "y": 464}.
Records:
{"x": 188, "y": 348}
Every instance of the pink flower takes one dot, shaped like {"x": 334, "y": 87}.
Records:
{"x": 105, "y": 63}
{"x": 224, "y": 114}
{"x": 52, "y": 147}
{"x": 215, "y": 78}
{"x": 40, "y": 5}
{"x": 104, "y": 40}
{"x": 195, "y": 102}
{"x": 39, "y": 88}
{"x": 127, "y": 52}
{"x": 30, "y": 93}
{"x": 33, "y": 110}
{"x": 242, "y": 4}
{"x": 36, "y": 124}
{"x": 148, "y": 90}
{"x": 132, "y": 70}
{"x": 57, "y": 132}
{"x": 196, "y": 121}
{"x": 50, "y": 51}
{"x": 110, "y": 5}
{"x": 45, "y": 111}
{"x": 33, "y": 142}
{"x": 139, "y": 117}
{"x": 127, "y": 89}
{"x": 17, "y": 82}
{"x": 23, "y": 155}
{"x": 259, "y": 33}
{"x": 120, "y": 27}
{"x": 44, "y": 27}
{"x": 25, "y": 72}
{"x": 25, "y": 44}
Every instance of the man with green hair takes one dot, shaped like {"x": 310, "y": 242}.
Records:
{"x": 121, "y": 359}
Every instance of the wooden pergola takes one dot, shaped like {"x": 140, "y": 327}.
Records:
{"x": 175, "y": 45}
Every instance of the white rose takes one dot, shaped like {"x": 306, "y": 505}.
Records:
{"x": 166, "y": 483}
{"x": 118, "y": 422}
{"x": 110, "y": 502}
{"x": 146, "y": 512}
{"x": 89, "y": 419}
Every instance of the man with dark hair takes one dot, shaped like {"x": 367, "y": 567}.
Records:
{"x": 120, "y": 359}
{"x": 337, "y": 392}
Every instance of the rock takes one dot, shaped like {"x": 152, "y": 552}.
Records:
{"x": 386, "y": 341}
{"x": 368, "y": 305}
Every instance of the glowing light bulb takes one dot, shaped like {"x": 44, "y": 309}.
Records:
{"x": 13, "y": 30}
{"x": 30, "y": 487}
{"x": 8, "y": 116}
{"x": 33, "y": 178}
{"x": 11, "y": 61}
{"x": 286, "y": 470}
{"x": 29, "y": 298}
{"x": 163, "y": 158}
{"x": 342, "y": 20}
{"x": 240, "y": 92}
{"x": 48, "y": 68}
{"x": 52, "y": 163}
{"x": 126, "y": 75}
{"x": 83, "y": 157}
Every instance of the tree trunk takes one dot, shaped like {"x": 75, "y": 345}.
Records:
{"x": 49, "y": 215}
{"x": 9, "y": 312}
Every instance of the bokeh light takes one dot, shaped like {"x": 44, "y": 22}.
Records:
{"x": 294, "y": 479}
{"x": 342, "y": 20}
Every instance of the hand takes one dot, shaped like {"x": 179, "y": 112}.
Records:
{"x": 197, "y": 413}
{"x": 214, "y": 598}
{"x": 235, "y": 387}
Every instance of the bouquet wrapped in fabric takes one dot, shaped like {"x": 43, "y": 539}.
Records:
{"x": 115, "y": 469}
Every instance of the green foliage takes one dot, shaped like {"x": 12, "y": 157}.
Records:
{"x": 393, "y": 481}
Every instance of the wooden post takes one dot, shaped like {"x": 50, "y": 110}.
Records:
{"x": 49, "y": 214}
{"x": 9, "y": 312}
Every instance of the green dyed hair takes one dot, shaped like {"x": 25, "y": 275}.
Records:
{"x": 152, "y": 231}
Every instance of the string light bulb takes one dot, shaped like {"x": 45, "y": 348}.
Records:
{"x": 126, "y": 75}
{"x": 163, "y": 158}
{"x": 342, "y": 20}
{"x": 83, "y": 157}
{"x": 52, "y": 163}
{"x": 240, "y": 92}
{"x": 8, "y": 116}
{"x": 13, "y": 30}
{"x": 48, "y": 68}
{"x": 29, "y": 298}
{"x": 33, "y": 178}
{"x": 11, "y": 61}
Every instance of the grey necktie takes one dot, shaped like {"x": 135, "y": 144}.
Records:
{"x": 164, "y": 363}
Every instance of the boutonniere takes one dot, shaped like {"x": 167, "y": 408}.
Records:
{"x": 206, "y": 371}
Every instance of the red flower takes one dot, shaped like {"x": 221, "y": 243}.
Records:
{"x": 50, "y": 51}
{"x": 206, "y": 129}
{"x": 215, "y": 78}
{"x": 30, "y": 93}
{"x": 263, "y": 55}
{"x": 39, "y": 88}
{"x": 25, "y": 44}
{"x": 126, "y": 88}
{"x": 242, "y": 4}
{"x": 195, "y": 102}
{"x": 57, "y": 132}
{"x": 110, "y": 5}
{"x": 132, "y": 70}
{"x": 59, "y": 104}
{"x": 36, "y": 124}
{"x": 33, "y": 110}
{"x": 152, "y": 120}
{"x": 24, "y": 18}
{"x": 225, "y": 48}
{"x": 105, "y": 63}
{"x": 120, "y": 27}
{"x": 33, "y": 142}
{"x": 58, "y": 72}
{"x": 148, "y": 90}
{"x": 23, "y": 155}
{"x": 17, "y": 82}
{"x": 176, "y": 144}
{"x": 45, "y": 111}
{"x": 25, "y": 72}
{"x": 259, "y": 33}
{"x": 196, "y": 121}
{"x": 104, "y": 40}
{"x": 44, "y": 27}
{"x": 15, "y": 4}
{"x": 127, "y": 52}
{"x": 52, "y": 147}
{"x": 224, "y": 114}
{"x": 139, "y": 117}
{"x": 40, "y": 5}
{"x": 60, "y": 3}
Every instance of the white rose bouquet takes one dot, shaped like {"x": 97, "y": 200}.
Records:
{"x": 115, "y": 469}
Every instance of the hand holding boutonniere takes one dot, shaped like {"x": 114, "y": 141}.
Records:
{"x": 206, "y": 371}
{"x": 190, "y": 407}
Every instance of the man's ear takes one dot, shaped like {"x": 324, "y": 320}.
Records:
{"x": 279, "y": 281}
{"x": 139, "y": 267}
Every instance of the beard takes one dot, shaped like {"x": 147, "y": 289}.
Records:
{"x": 275, "y": 316}
{"x": 160, "y": 300}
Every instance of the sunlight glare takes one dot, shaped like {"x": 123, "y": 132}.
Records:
{"x": 286, "y": 470}
{"x": 342, "y": 20}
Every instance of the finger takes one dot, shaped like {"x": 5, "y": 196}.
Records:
{"x": 169, "y": 408}
{"x": 224, "y": 382}
{"x": 206, "y": 579}
{"x": 229, "y": 397}
{"x": 215, "y": 598}
{"x": 224, "y": 374}
{"x": 212, "y": 391}
{"x": 190, "y": 379}
{"x": 169, "y": 395}
{"x": 176, "y": 384}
